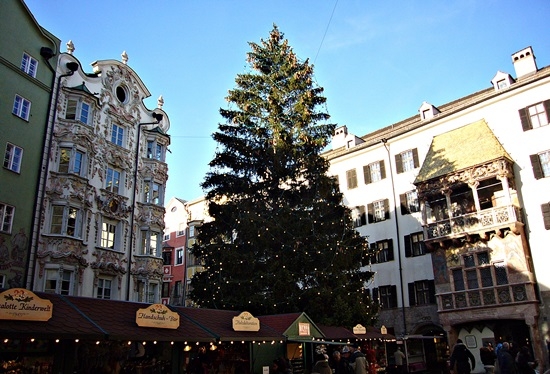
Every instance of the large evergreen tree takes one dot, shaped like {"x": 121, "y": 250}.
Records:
{"x": 280, "y": 240}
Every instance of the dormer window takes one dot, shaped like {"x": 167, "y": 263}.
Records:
{"x": 428, "y": 111}
{"x": 502, "y": 81}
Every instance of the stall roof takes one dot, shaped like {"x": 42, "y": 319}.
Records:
{"x": 66, "y": 323}
{"x": 374, "y": 333}
{"x": 287, "y": 325}
{"x": 340, "y": 334}
{"x": 220, "y": 323}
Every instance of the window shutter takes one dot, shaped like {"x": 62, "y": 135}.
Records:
{"x": 431, "y": 288}
{"x": 408, "y": 249}
{"x": 537, "y": 167}
{"x": 412, "y": 294}
{"x": 393, "y": 296}
{"x": 368, "y": 293}
{"x": 363, "y": 215}
{"x": 546, "y": 215}
{"x": 398, "y": 163}
{"x": 387, "y": 208}
{"x": 375, "y": 294}
{"x": 415, "y": 158}
{"x": 403, "y": 201}
{"x": 366, "y": 174}
{"x": 382, "y": 170}
{"x": 525, "y": 120}
{"x": 423, "y": 246}
{"x": 390, "y": 250}
{"x": 547, "y": 109}
{"x": 374, "y": 255}
{"x": 370, "y": 212}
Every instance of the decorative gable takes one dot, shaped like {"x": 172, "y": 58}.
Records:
{"x": 502, "y": 81}
{"x": 427, "y": 111}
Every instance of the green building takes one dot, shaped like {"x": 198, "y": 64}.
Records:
{"x": 28, "y": 58}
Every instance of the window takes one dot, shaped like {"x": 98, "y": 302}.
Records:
{"x": 166, "y": 237}
{"x": 478, "y": 272}
{"x": 152, "y": 192}
{"x": 13, "y": 157}
{"x": 117, "y": 134}
{"x": 503, "y": 83}
{"x": 147, "y": 292}
{"x": 545, "y": 208}
{"x": 359, "y": 216}
{"x": 351, "y": 176}
{"x": 378, "y": 211}
{"x": 66, "y": 220}
{"x": 150, "y": 241}
{"x": 191, "y": 231}
{"x": 541, "y": 164}
{"x": 104, "y": 288}
{"x": 2, "y": 281}
{"x": 179, "y": 256}
{"x": 155, "y": 150}
{"x": 383, "y": 251}
{"x": 29, "y": 65}
{"x": 165, "y": 292}
{"x": 72, "y": 161}
{"x": 78, "y": 110}
{"x": 409, "y": 202}
{"x": 535, "y": 115}
{"x": 374, "y": 172}
{"x": 109, "y": 234}
{"x": 6, "y": 216}
{"x": 386, "y": 295}
{"x": 167, "y": 258}
{"x": 177, "y": 289}
{"x": 21, "y": 107}
{"x": 181, "y": 230}
{"x": 406, "y": 161}
{"x": 414, "y": 245}
{"x": 422, "y": 292}
{"x": 58, "y": 281}
{"x": 152, "y": 292}
{"x": 112, "y": 181}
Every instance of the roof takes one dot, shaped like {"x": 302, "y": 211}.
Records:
{"x": 337, "y": 333}
{"x": 460, "y": 149}
{"x": 280, "y": 322}
{"x": 220, "y": 323}
{"x": 374, "y": 333}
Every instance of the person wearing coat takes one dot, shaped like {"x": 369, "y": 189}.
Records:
{"x": 462, "y": 357}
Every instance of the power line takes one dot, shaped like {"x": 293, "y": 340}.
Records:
{"x": 326, "y": 30}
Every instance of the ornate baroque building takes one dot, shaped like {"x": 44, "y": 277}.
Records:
{"x": 456, "y": 202}
{"x": 100, "y": 210}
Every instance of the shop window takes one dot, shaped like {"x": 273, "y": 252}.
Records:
{"x": 13, "y": 157}
{"x": 351, "y": 176}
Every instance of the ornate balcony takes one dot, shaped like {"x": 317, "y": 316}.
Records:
{"x": 473, "y": 223}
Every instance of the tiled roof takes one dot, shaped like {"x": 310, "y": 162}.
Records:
{"x": 220, "y": 322}
{"x": 461, "y": 148}
{"x": 336, "y": 333}
{"x": 280, "y": 322}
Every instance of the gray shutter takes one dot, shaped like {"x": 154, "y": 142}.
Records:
{"x": 382, "y": 170}
{"x": 404, "y": 208}
{"x": 546, "y": 215}
{"x": 408, "y": 247}
{"x": 390, "y": 250}
{"x": 525, "y": 120}
{"x": 394, "y": 296}
{"x": 366, "y": 174}
{"x": 537, "y": 167}
{"x": 431, "y": 288}
{"x": 415, "y": 158}
{"x": 387, "y": 208}
{"x": 398, "y": 163}
{"x": 370, "y": 212}
{"x": 412, "y": 294}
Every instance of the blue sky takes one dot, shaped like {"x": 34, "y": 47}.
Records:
{"x": 377, "y": 60}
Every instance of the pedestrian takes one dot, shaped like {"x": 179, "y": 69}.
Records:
{"x": 280, "y": 366}
{"x": 399, "y": 356}
{"x": 358, "y": 360}
{"x": 460, "y": 356}
{"x": 488, "y": 358}
{"x": 506, "y": 362}
{"x": 524, "y": 362}
{"x": 321, "y": 364}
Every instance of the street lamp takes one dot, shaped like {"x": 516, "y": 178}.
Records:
{"x": 158, "y": 117}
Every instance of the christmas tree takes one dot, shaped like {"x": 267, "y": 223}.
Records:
{"x": 280, "y": 239}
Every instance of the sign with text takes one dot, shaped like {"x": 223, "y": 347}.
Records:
{"x": 157, "y": 315}
{"x": 23, "y": 305}
{"x": 359, "y": 329}
{"x": 303, "y": 329}
{"x": 246, "y": 322}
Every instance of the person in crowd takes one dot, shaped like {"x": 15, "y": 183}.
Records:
{"x": 462, "y": 357}
{"x": 358, "y": 360}
{"x": 399, "y": 356}
{"x": 488, "y": 358}
{"x": 524, "y": 361}
{"x": 280, "y": 366}
{"x": 506, "y": 362}
{"x": 321, "y": 364}
{"x": 338, "y": 363}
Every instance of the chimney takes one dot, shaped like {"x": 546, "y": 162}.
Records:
{"x": 524, "y": 62}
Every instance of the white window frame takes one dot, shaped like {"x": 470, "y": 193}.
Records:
{"x": 66, "y": 220}
{"x": 63, "y": 278}
{"x": 379, "y": 210}
{"x": 412, "y": 201}
{"x": 407, "y": 160}
{"x": 537, "y": 115}
{"x": 109, "y": 234}
{"x": 29, "y": 64}
{"x": 13, "y": 157}
{"x": 180, "y": 252}
{"x": 117, "y": 134}
{"x": 544, "y": 159}
{"x": 375, "y": 172}
{"x": 150, "y": 198}
{"x": 7, "y": 212}
{"x": 181, "y": 230}
{"x": 151, "y": 243}
{"x": 77, "y": 161}
{"x": 104, "y": 289}
{"x": 113, "y": 178}
{"x": 78, "y": 110}
{"x": 21, "y": 107}
{"x": 155, "y": 150}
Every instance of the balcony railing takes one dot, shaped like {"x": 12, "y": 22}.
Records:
{"x": 489, "y": 296}
{"x": 485, "y": 220}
